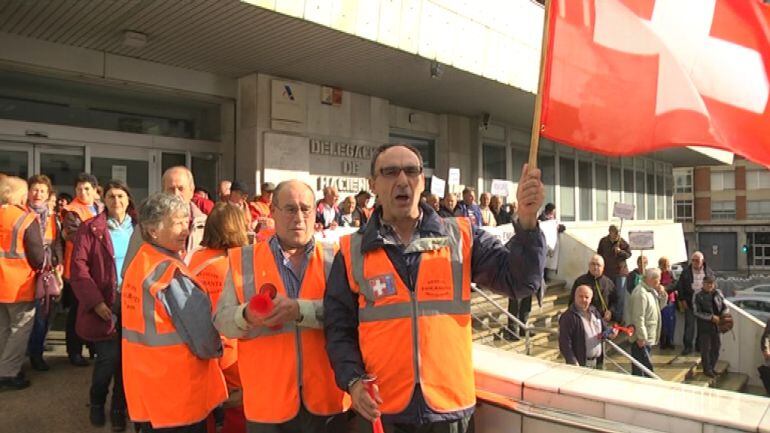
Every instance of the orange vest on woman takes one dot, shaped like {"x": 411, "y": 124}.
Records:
{"x": 165, "y": 383}
{"x": 84, "y": 213}
{"x": 17, "y": 278}
{"x": 423, "y": 336}
{"x": 275, "y": 364}
{"x": 210, "y": 267}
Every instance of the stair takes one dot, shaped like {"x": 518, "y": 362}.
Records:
{"x": 669, "y": 364}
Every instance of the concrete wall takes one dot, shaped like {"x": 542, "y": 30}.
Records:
{"x": 586, "y": 396}
{"x": 275, "y": 133}
{"x": 740, "y": 347}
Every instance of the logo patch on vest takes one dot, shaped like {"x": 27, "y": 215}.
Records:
{"x": 382, "y": 286}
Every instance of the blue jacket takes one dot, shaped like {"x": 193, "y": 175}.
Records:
{"x": 514, "y": 270}
{"x": 463, "y": 209}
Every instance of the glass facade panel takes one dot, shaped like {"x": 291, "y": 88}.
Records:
{"x": 602, "y": 192}
{"x": 137, "y": 174}
{"x": 585, "y": 184}
{"x": 493, "y": 159}
{"x": 548, "y": 169}
{"x": 640, "y": 202}
{"x": 650, "y": 196}
{"x": 567, "y": 188}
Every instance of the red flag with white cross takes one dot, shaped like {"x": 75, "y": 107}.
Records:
{"x": 625, "y": 77}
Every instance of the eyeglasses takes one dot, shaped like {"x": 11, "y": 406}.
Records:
{"x": 394, "y": 170}
{"x": 294, "y": 210}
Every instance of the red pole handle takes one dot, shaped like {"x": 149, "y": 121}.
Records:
{"x": 369, "y": 386}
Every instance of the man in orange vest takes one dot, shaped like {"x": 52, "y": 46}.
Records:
{"x": 261, "y": 213}
{"x": 82, "y": 208}
{"x": 397, "y": 305}
{"x": 288, "y": 384}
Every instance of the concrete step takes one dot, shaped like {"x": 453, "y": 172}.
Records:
{"x": 696, "y": 376}
{"x": 732, "y": 382}
{"x": 757, "y": 390}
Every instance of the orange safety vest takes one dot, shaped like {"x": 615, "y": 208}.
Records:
{"x": 210, "y": 267}
{"x": 276, "y": 365}
{"x": 165, "y": 383}
{"x": 17, "y": 278}
{"x": 421, "y": 337}
{"x": 51, "y": 228}
{"x": 84, "y": 213}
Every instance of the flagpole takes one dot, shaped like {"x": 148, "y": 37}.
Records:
{"x": 534, "y": 143}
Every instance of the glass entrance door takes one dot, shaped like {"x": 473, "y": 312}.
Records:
{"x": 131, "y": 165}
{"x": 16, "y": 159}
{"x": 62, "y": 164}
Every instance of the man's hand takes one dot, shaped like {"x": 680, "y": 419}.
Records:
{"x": 715, "y": 320}
{"x": 530, "y": 196}
{"x": 284, "y": 310}
{"x": 365, "y": 405}
{"x": 614, "y": 334}
{"x": 333, "y": 225}
{"x": 766, "y": 354}
{"x": 641, "y": 343}
{"x": 607, "y": 315}
{"x": 254, "y": 320}
{"x": 103, "y": 311}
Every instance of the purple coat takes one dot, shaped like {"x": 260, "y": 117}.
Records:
{"x": 93, "y": 278}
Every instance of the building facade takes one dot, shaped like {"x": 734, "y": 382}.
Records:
{"x": 725, "y": 212}
{"x": 269, "y": 90}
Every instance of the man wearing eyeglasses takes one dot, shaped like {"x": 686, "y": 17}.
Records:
{"x": 397, "y": 304}
{"x": 288, "y": 384}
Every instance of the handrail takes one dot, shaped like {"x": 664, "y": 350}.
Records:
{"x": 480, "y": 320}
{"x": 638, "y": 364}
{"x": 522, "y": 325}
{"x": 529, "y": 328}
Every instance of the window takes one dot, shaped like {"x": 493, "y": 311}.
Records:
{"x": 683, "y": 210}
{"x": 493, "y": 158}
{"x": 585, "y": 183}
{"x": 758, "y": 209}
{"x": 567, "y": 188}
{"x": 722, "y": 210}
{"x": 628, "y": 185}
{"x": 757, "y": 179}
{"x": 615, "y": 186}
{"x": 640, "y": 203}
{"x": 548, "y": 170}
{"x": 602, "y": 186}
{"x": 650, "y": 196}
{"x": 683, "y": 181}
{"x": 669, "y": 196}
{"x": 426, "y": 146}
{"x": 722, "y": 180}
{"x": 660, "y": 209}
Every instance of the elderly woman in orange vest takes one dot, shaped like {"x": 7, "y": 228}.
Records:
{"x": 170, "y": 347}
{"x": 226, "y": 228}
{"x": 21, "y": 254}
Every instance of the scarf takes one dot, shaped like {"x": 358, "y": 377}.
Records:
{"x": 42, "y": 212}
{"x": 114, "y": 224}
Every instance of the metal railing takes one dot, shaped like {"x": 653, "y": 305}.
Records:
{"x": 528, "y": 329}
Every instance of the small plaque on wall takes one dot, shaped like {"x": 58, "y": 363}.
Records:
{"x": 288, "y": 101}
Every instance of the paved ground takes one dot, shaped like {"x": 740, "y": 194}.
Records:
{"x": 57, "y": 401}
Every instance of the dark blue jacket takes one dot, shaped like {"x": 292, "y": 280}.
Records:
{"x": 465, "y": 210}
{"x": 514, "y": 270}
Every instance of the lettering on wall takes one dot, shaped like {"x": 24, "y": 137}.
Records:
{"x": 353, "y": 153}
{"x": 343, "y": 184}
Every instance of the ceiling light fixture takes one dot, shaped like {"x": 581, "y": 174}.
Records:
{"x": 134, "y": 39}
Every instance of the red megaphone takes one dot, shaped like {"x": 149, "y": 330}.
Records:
{"x": 628, "y": 330}
{"x": 368, "y": 382}
{"x": 261, "y": 304}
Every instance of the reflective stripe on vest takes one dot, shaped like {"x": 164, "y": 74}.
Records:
{"x": 300, "y": 372}
{"x": 151, "y": 337}
{"x": 456, "y": 306}
{"x": 17, "y": 278}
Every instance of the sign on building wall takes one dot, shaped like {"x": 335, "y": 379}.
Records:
{"x": 288, "y": 101}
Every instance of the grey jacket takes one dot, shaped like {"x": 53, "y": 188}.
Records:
{"x": 644, "y": 314}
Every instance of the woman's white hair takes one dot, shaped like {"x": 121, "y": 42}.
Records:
{"x": 155, "y": 208}
{"x": 652, "y": 273}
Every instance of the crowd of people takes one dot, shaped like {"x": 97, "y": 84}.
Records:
{"x": 231, "y": 311}
{"x": 645, "y": 300}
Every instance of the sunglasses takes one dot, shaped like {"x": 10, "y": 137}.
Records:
{"x": 394, "y": 171}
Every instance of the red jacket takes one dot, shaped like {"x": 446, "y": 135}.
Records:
{"x": 93, "y": 277}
